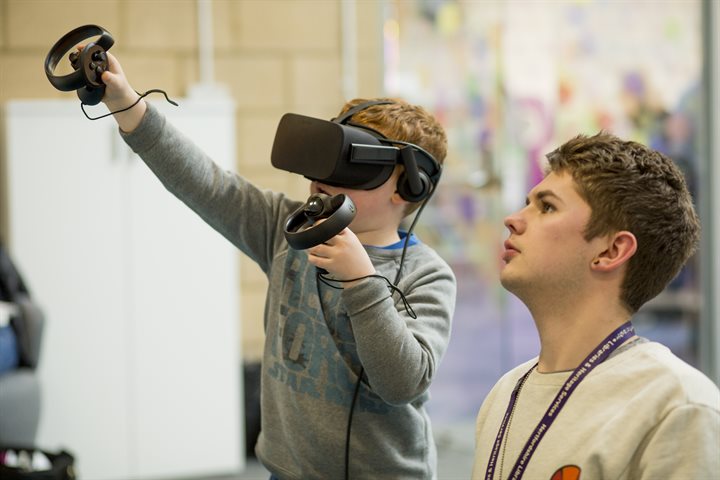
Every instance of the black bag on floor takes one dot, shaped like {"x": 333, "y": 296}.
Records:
{"x": 17, "y": 464}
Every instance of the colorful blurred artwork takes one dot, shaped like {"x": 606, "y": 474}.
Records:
{"x": 511, "y": 80}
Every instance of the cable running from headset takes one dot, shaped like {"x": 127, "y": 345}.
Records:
{"x": 320, "y": 277}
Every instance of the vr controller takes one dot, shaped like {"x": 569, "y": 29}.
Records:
{"x": 338, "y": 154}
{"x": 88, "y": 64}
{"x": 302, "y": 229}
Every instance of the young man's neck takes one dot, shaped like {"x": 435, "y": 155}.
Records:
{"x": 568, "y": 334}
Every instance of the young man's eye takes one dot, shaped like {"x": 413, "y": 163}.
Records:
{"x": 546, "y": 207}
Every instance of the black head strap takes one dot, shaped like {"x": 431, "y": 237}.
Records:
{"x": 362, "y": 106}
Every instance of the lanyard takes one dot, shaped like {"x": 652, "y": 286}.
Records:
{"x": 596, "y": 357}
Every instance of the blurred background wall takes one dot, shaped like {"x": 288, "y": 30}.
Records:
{"x": 271, "y": 57}
{"x": 511, "y": 80}
{"x": 274, "y": 57}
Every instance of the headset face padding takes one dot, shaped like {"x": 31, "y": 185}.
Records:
{"x": 89, "y": 64}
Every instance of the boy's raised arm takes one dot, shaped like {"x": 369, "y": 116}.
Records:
{"x": 120, "y": 95}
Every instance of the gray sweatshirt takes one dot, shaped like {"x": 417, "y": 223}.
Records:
{"x": 319, "y": 339}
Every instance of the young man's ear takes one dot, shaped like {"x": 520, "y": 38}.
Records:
{"x": 621, "y": 246}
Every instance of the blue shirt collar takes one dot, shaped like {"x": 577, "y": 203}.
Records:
{"x": 401, "y": 243}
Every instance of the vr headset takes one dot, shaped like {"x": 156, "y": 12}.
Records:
{"x": 351, "y": 156}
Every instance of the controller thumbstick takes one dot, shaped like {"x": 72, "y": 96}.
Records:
{"x": 314, "y": 207}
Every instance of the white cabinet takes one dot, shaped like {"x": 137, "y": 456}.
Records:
{"x": 140, "y": 362}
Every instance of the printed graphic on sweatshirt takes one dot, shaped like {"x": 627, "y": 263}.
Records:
{"x": 568, "y": 472}
{"x": 314, "y": 349}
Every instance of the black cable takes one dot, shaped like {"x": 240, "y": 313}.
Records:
{"x": 408, "y": 308}
{"x": 409, "y": 233}
{"x": 321, "y": 278}
{"x": 349, "y": 424}
{"x": 393, "y": 288}
{"x": 142, "y": 95}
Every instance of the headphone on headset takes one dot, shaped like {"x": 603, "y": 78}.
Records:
{"x": 88, "y": 64}
{"x": 302, "y": 229}
{"x": 422, "y": 171}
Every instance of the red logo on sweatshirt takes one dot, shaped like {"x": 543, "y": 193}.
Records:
{"x": 568, "y": 472}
